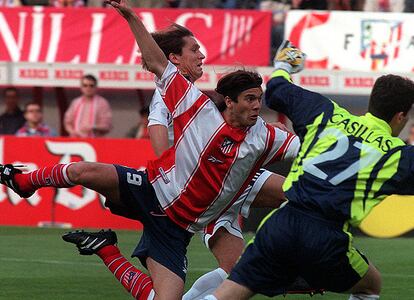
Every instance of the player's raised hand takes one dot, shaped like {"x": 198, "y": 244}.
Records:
{"x": 123, "y": 7}
{"x": 154, "y": 58}
{"x": 289, "y": 58}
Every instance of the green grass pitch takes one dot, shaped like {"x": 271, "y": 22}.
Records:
{"x": 36, "y": 264}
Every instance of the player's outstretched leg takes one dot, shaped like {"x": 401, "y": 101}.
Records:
{"x": 26, "y": 184}
{"x": 102, "y": 243}
{"x": 102, "y": 178}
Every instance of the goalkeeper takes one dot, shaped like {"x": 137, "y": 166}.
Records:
{"x": 347, "y": 164}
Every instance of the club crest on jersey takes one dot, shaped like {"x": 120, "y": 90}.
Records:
{"x": 227, "y": 145}
{"x": 380, "y": 41}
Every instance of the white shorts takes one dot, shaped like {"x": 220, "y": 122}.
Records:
{"x": 230, "y": 220}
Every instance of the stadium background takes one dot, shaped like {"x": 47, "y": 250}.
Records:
{"x": 346, "y": 52}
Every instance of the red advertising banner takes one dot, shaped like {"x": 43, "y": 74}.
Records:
{"x": 74, "y": 207}
{"x": 85, "y": 35}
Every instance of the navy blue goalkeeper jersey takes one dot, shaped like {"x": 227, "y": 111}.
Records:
{"x": 347, "y": 164}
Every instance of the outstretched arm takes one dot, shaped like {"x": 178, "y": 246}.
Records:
{"x": 299, "y": 105}
{"x": 155, "y": 59}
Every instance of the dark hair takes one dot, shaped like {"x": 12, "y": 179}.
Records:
{"x": 217, "y": 98}
{"x": 31, "y": 103}
{"x": 91, "y": 78}
{"x": 171, "y": 39}
{"x": 232, "y": 84}
{"x": 391, "y": 94}
{"x": 10, "y": 89}
{"x": 144, "y": 111}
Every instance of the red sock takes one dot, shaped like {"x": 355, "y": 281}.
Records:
{"x": 55, "y": 176}
{"x": 138, "y": 284}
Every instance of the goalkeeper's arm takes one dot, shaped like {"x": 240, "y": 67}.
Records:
{"x": 300, "y": 105}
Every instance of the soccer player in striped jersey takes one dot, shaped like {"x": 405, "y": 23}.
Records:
{"x": 215, "y": 156}
{"x": 224, "y": 236}
{"x": 347, "y": 164}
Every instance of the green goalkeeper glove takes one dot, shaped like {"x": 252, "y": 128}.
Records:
{"x": 289, "y": 58}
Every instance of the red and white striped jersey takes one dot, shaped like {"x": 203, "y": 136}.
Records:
{"x": 211, "y": 163}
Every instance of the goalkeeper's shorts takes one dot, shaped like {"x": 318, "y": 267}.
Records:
{"x": 293, "y": 243}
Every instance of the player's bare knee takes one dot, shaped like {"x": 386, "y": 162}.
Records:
{"x": 77, "y": 171}
{"x": 374, "y": 281}
{"x": 227, "y": 248}
{"x": 74, "y": 172}
{"x": 227, "y": 264}
{"x": 370, "y": 284}
{"x": 377, "y": 282}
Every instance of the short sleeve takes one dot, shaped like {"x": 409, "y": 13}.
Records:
{"x": 159, "y": 114}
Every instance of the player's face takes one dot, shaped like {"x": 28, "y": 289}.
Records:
{"x": 33, "y": 114}
{"x": 88, "y": 87}
{"x": 190, "y": 61}
{"x": 246, "y": 109}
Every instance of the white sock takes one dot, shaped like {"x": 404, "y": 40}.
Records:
{"x": 151, "y": 295}
{"x": 363, "y": 297}
{"x": 206, "y": 285}
{"x": 209, "y": 297}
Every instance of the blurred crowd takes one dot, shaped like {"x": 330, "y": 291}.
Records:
{"x": 274, "y": 5}
{"x": 87, "y": 116}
